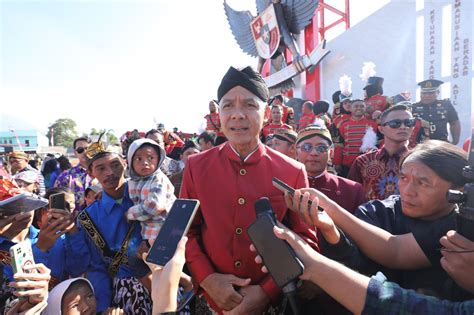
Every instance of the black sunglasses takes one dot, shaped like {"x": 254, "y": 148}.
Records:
{"x": 396, "y": 123}
{"x": 80, "y": 150}
{"x": 308, "y": 147}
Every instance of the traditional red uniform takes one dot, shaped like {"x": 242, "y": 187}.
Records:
{"x": 338, "y": 120}
{"x": 213, "y": 123}
{"x": 227, "y": 188}
{"x": 378, "y": 172}
{"x": 376, "y": 102}
{"x": 346, "y": 193}
{"x": 349, "y": 140}
{"x": 271, "y": 127}
{"x": 305, "y": 120}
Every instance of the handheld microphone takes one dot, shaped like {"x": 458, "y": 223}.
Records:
{"x": 277, "y": 255}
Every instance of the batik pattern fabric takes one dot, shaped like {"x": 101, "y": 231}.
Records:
{"x": 77, "y": 180}
{"x": 377, "y": 171}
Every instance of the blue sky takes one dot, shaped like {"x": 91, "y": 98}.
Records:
{"x": 113, "y": 64}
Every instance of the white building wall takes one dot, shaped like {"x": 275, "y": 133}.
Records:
{"x": 409, "y": 41}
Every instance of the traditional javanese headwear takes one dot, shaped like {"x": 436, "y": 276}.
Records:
{"x": 246, "y": 78}
{"x": 313, "y": 131}
{"x": 287, "y": 135}
{"x": 99, "y": 149}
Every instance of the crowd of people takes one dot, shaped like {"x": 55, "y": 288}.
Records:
{"x": 379, "y": 167}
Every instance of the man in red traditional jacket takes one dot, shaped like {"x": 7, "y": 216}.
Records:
{"x": 350, "y": 135}
{"x": 308, "y": 116}
{"x": 276, "y": 123}
{"x": 213, "y": 122}
{"x": 227, "y": 180}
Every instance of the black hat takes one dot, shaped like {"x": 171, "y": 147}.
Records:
{"x": 190, "y": 144}
{"x": 430, "y": 85}
{"x": 321, "y": 106}
{"x": 343, "y": 97}
{"x": 377, "y": 81}
{"x": 246, "y": 78}
{"x": 335, "y": 97}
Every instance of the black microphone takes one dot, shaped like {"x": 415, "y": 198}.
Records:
{"x": 263, "y": 207}
{"x": 275, "y": 252}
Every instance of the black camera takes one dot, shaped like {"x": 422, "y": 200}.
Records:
{"x": 465, "y": 199}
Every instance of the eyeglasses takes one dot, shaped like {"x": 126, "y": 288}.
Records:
{"x": 81, "y": 150}
{"x": 308, "y": 147}
{"x": 396, "y": 123}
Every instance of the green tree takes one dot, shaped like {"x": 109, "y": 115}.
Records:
{"x": 62, "y": 132}
{"x": 111, "y": 137}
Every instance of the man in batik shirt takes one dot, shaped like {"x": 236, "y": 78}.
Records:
{"x": 378, "y": 170}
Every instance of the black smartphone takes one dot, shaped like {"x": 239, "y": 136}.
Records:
{"x": 277, "y": 255}
{"x": 58, "y": 201}
{"x": 176, "y": 225}
{"x": 282, "y": 186}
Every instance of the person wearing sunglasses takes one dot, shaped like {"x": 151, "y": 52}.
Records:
{"x": 313, "y": 149}
{"x": 378, "y": 170}
{"x": 438, "y": 113}
{"x": 76, "y": 178}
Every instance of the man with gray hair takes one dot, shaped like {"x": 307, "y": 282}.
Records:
{"x": 217, "y": 251}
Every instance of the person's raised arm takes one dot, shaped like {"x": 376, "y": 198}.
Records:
{"x": 343, "y": 284}
{"x": 392, "y": 251}
{"x": 165, "y": 281}
{"x": 455, "y": 130}
{"x": 361, "y": 294}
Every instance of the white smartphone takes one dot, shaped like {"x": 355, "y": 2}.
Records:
{"x": 21, "y": 256}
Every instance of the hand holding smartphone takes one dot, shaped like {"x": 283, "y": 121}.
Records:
{"x": 282, "y": 186}
{"x": 58, "y": 201}
{"x": 21, "y": 255}
{"x": 176, "y": 225}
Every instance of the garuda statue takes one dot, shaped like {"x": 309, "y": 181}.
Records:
{"x": 267, "y": 35}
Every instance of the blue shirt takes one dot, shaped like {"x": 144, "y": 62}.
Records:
{"x": 388, "y": 298}
{"x": 109, "y": 218}
{"x": 5, "y": 245}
